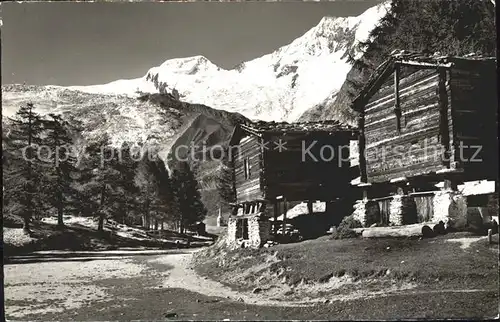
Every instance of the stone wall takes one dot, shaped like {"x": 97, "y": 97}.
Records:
{"x": 231, "y": 231}
{"x": 366, "y": 212}
{"x": 450, "y": 207}
{"x": 402, "y": 210}
{"x": 259, "y": 231}
{"x": 359, "y": 212}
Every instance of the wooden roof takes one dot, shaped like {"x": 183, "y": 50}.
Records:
{"x": 259, "y": 128}
{"x": 413, "y": 59}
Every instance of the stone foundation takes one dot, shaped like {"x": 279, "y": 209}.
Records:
{"x": 402, "y": 210}
{"x": 366, "y": 212}
{"x": 450, "y": 207}
{"x": 259, "y": 231}
{"x": 231, "y": 231}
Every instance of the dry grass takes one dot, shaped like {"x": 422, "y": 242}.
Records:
{"x": 342, "y": 266}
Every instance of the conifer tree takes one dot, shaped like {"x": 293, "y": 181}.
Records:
{"x": 225, "y": 180}
{"x": 191, "y": 208}
{"x": 447, "y": 27}
{"x": 102, "y": 177}
{"x": 166, "y": 201}
{"x": 22, "y": 176}
{"x": 60, "y": 165}
{"x": 126, "y": 190}
{"x": 146, "y": 183}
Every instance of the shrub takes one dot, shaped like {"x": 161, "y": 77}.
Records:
{"x": 345, "y": 228}
{"x": 12, "y": 221}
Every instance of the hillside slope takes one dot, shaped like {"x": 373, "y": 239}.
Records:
{"x": 157, "y": 120}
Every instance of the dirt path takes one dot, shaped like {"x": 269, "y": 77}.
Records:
{"x": 117, "y": 286}
{"x": 182, "y": 275}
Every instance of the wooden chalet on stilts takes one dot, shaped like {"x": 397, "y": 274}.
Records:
{"x": 427, "y": 125}
{"x": 275, "y": 163}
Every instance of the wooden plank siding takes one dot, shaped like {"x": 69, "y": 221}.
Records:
{"x": 313, "y": 163}
{"x": 425, "y": 208}
{"x": 248, "y": 189}
{"x": 296, "y": 175}
{"x": 416, "y": 147}
{"x": 384, "y": 206}
{"x": 475, "y": 105}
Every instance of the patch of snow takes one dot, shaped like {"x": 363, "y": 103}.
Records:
{"x": 301, "y": 209}
{"x": 479, "y": 187}
{"x": 466, "y": 242}
{"x": 16, "y": 237}
{"x": 88, "y": 222}
{"x": 356, "y": 181}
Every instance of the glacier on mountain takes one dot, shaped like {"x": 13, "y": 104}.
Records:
{"x": 279, "y": 86}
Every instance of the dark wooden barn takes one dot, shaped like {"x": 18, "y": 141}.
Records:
{"x": 282, "y": 162}
{"x": 426, "y": 120}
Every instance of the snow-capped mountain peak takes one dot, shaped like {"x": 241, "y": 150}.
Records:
{"x": 278, "y": 86}
{"x": 186, "y": 66}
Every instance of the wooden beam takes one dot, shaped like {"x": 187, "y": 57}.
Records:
{"x": 361, "y": 148}
{"x": 285, "y": 209}
{"x": 310, "y": 207}
{"x": 450, "y": 184}
{"x": 275, "y": 221}
{"x": 444, "y": 133}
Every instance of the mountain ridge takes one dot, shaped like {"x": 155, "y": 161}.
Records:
{"x": 279, "y": 86}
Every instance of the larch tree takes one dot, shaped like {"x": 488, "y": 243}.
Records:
{"x": 102, "y": 176}
{"x": 23, "y": 174}
{"x": 188, "y": 195}
{"x": 59, "y": 167}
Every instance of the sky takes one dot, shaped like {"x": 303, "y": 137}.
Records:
{"x": 68, "y": 43}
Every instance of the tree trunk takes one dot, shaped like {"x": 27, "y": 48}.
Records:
{"x": 100, "y": 226}
{"x": 181, "y": 224}
{"x": 146, "y": 213}
{"x": 60, "y": 221}
{"x": 124, "y": 216}
{"x": 414, "y": 230}
{"x": 60, "y": 209}
{"x": 26, "y": 224}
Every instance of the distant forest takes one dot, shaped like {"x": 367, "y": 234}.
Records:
{"x": 49, "y": 171}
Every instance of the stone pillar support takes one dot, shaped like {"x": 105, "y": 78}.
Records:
{"x": 231, "y": 231}
{"x": 365, "y": 208}
{"x": 450, "y": 206}
{"x": 402, "y": 208}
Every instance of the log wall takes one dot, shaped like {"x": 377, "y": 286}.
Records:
{"x": 474, "y": 101}
{"x": 414, "y": 144}
{"x": 296, "y": 175}
{"x": 248, "y": 189}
